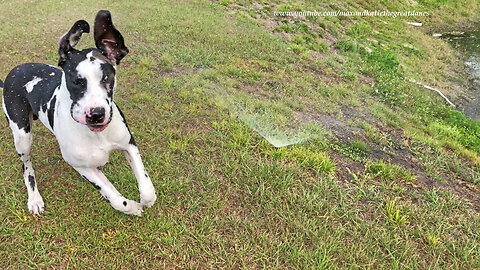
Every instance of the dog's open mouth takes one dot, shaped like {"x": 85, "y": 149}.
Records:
{"x": 97, "y": 128}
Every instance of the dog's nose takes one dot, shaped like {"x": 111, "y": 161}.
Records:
{"x": 96, "y": 115}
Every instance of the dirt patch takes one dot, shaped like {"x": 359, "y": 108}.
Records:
{"x": 397, "y": 153}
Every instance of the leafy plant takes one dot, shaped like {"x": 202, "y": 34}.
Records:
{"x": 394, "y": 215}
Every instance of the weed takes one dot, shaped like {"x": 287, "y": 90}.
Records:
{"x": 388, "y": 171}
{"x": 375, "y": 135}
{"x": 349, "y": 76}
{"x": 359, "y": 30}
{"x": 433, "y": 240}
{"x": 166, "y": 61}
{"x": 298, "y": 48}
{"x": 356, "y": 150}
{"x": 310, "y": 42}
{"x": 362, "y": 188}
{"x": 305, "y": 157}
{"x": 284, "y": 8}
{"x": 284, "y": 28}
{"x": 225, "y": 2}
{"x": 345, "y": 45}
{"x": 394, "y": 214}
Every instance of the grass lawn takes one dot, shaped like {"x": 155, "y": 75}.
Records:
{"x": 380, "y": 174}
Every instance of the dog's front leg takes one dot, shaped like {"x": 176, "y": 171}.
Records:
{"x": 109, "y": 192}
{"x": 147, "y": 191}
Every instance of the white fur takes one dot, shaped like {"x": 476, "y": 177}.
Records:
{"x": 29, "y": 86}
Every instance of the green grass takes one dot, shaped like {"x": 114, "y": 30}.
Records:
{"x": 356, "y": 150}
{"x": 388, "y": 172}
{"x": 203, "y": 82}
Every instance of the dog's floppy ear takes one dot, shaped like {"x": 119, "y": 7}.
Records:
{"x": 107, "y": 38}
{"x": 70, "y": 39}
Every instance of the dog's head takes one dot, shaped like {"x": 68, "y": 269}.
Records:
{"x": 90, "y": 73}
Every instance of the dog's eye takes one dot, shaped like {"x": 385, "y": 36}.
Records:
{"x": 105, "y": 79}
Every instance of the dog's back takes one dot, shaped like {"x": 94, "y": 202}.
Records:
{"x": 28, "y": 89}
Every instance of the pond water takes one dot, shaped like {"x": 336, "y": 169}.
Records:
{"x": 468, "y": 44}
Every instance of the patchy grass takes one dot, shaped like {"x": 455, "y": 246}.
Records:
{"x": 395, "y": 188}
{"x": 387, "y": 171}
{"x": 356, "y": 150}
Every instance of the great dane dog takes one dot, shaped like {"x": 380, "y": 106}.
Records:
{"x": 76, "y": 104}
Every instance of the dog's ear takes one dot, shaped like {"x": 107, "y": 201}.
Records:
{"x": 70, "y": 39}
{"x": 107, "y": 38}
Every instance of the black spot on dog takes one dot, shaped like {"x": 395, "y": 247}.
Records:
{"x": 95, "y": 185}
{"x": 132, "y": 140}
{"x": 51, "y": 111}
{"x": 31, "y": 180}
{"x": 108, "y": 77}
{"x": 124, "y": 203}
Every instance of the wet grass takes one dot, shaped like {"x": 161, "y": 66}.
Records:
{"x": 227, "y": 198}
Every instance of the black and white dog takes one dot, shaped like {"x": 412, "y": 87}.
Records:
{"x": 76, "y": 105}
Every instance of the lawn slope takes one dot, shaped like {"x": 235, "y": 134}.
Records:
{"x": 383, "y": 173}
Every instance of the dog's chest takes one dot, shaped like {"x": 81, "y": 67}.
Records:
{"x": 86, "y": 151}
{"x": 81, "y": 147}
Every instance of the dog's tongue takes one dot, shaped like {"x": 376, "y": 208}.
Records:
{"x": 98, "y": 128}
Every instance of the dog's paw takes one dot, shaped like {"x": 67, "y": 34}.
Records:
{"x": 132, "y": 208}
{"x": 148, "y": 201}
{"x": 35, "y": 204}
